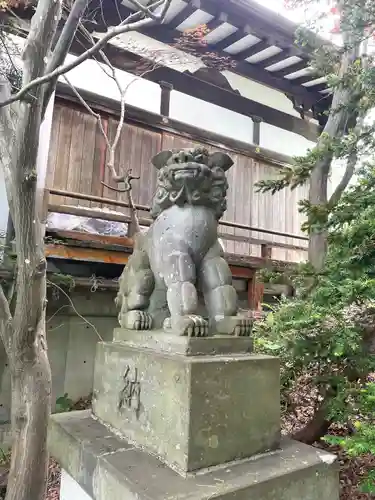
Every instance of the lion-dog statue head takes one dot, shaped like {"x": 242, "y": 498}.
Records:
{"x": 193, "y": 177}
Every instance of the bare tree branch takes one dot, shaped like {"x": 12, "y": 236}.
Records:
{"x": 63, "y": 45}
{"x": 124, "y": 27}
{"x": 117, "y": 177}
{"x": 143, "y": 8}
{"x": 89, "y": 109}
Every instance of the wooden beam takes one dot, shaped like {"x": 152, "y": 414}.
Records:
{"x": 85, "y": 254}
{"x": 145, "y": 208}
{"x": 94, "y": 213}
{"x": 139, "y": 116}
{"x": 242, "y": 272}
{"x": 205, "y": 91}
{"x": 121, "y": 241}
{"x": 252, "y": 71}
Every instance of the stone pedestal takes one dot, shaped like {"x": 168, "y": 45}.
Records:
{"x": 192, "y": 411}
{"x": 186, "y": 418}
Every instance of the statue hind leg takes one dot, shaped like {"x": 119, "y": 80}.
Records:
{"x": 220, "y": 296}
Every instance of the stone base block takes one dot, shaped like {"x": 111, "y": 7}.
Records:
{"x": 191, "y": 411}
{"x": 106, "y": 467}
{"x": 160, "y": 341}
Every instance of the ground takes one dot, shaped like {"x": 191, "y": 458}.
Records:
{"x": 351, "y": 470}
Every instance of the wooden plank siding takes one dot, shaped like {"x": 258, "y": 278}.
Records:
{"x": 77, "y": 162}
{"x": 74, "y": 155}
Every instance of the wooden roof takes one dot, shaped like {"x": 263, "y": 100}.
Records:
{"x": 261, "y": 42}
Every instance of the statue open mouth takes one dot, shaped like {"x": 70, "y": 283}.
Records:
{"x": 185, "y": 173}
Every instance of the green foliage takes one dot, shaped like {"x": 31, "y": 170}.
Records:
{"x": 64, "y": 280}
{"x": 64, "y": 404}
{"x": 327, "y": 331}
{"x": 362, "y": 441}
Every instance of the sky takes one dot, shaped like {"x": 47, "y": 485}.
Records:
{"x": 303, "y": 15}
{"x": 278, "y": 6}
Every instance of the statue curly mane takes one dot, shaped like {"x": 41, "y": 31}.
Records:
{"x": 191, "y": 177}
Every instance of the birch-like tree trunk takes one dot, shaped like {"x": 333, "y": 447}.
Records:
{"x": 24, "y": 334}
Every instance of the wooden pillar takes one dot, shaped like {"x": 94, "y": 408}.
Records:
{"x": 266, "y": 251}
{"x": 166, "y": 89}
{"x": 255, "y": 294}
{"x": 256, "y": 130}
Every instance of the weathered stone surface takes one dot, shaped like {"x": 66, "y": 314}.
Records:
{"x": 160, "y": 341}
{"x": 109, "y": 468}
{"x": 180, "y": 255}
{"x": 192, "y": 411}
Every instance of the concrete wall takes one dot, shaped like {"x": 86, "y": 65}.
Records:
{"x": 72, "y": 341}
{"x": 71, "y": 344}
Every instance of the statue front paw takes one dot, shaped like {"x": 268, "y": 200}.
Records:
{"x": 136, "y": 320}
{"x": 234, "y": 325}
{"x": 187, "y": 326}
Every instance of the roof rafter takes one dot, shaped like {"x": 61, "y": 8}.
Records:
{"x": 186, "y": 12}
{"x": 251, "y": 51}
{"x": 247, "y": 20}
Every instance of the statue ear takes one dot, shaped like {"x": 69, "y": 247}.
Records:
{"x": 160, "y": 160}
{"x": 221, "y": 160}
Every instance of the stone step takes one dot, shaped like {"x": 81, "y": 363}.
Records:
{"x": 99, "y": 465}
{"x": 193, "y": 412}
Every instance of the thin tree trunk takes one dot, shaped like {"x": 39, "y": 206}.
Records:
{"x": 25, "y": 336}
{"x": 318, "y": 196}
{"x": 338, "y": 121}
{"x": 31, "y": 402}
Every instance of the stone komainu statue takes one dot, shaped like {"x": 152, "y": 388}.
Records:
{"x": 180, "y": 257}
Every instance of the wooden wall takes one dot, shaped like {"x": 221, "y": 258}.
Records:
{"x": 77, "y": 162}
